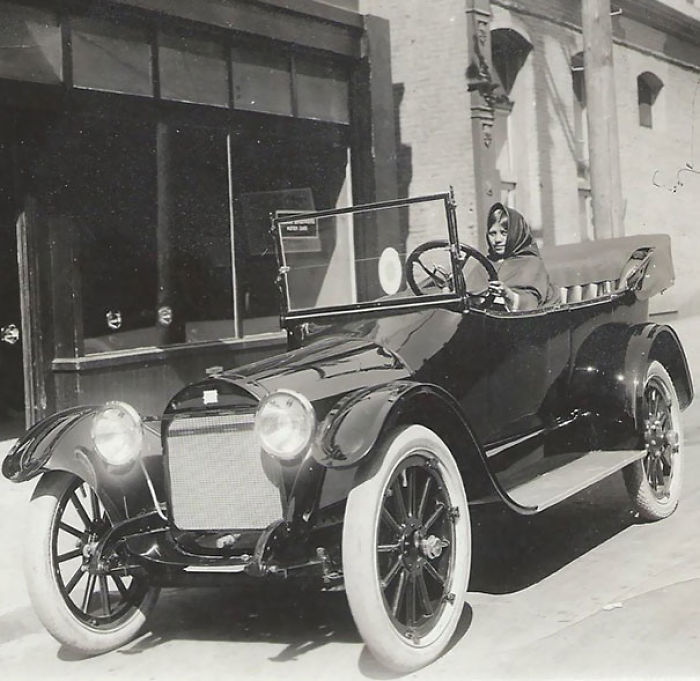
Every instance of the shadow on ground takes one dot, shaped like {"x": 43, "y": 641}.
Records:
{"x": 513, "y": 552}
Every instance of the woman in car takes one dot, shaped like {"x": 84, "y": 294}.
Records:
{"x": 523, "y": 282}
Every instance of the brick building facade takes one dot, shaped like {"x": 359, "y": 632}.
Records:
{"x": 539, "y": 136}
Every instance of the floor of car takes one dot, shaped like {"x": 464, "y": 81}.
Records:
{"x": 554, "y": 486}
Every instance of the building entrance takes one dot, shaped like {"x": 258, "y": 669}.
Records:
{"x": 11, "y": 368}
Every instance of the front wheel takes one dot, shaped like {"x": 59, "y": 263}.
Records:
{"x": 654, "y": 482}
{"x": 87, "y": 612}
{"x": 407, "y": 550}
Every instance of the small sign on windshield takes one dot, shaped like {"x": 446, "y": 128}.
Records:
{"x": 299, "y": 228}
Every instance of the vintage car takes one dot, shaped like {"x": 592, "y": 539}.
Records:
{"x": 352, "y": 460}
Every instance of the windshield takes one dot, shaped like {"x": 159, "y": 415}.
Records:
{"x": 354, "y": 256}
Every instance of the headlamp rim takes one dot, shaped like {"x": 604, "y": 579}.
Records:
{"x": 135, "y": 417}
{"x": 309, "y": 413}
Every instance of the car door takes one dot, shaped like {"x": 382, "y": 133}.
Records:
{"x": 527, "y": 354}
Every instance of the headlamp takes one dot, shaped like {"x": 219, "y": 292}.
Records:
{"x": 285, "y": 424}
{"x": 116, "y": 433}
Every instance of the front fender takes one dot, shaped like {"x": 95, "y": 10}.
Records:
{"x": 63, "y": 442}
{"x": 610, "y": 369}
{"x": 350, "y": 433}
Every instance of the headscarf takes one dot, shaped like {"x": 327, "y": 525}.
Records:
{"x": 521, "y": 266}
{"x": 520, "y": 241}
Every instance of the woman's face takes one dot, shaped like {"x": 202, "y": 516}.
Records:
{"x": 497, "y": 236}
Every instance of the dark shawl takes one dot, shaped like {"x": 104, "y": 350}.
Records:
{"x": 521, "y": 267}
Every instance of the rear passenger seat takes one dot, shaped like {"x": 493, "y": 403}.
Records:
{"x": 595, "y": 269}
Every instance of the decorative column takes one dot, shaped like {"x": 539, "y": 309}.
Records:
{"x": 481, "y": 85}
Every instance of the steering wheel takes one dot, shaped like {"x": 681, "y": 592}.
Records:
{"x": 437, "y": 274}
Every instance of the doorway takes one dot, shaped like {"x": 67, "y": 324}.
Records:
{"x": 11, "y": 357}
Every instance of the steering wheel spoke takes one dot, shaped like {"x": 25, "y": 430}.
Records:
{"x": 440, "y": 277}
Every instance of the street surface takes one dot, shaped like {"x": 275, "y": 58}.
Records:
{"x": 582, "y": 591}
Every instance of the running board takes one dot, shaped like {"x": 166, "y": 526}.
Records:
{"x": 556, "y": 485}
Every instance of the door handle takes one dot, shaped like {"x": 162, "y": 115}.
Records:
{"x": 9, "y": 334}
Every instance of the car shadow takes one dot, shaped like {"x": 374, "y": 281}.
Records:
{"x": 513, "y": 552}
{"x": 302, "y": 620}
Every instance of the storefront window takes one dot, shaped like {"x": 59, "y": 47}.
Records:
{"x": 30, "y": 45}
{"x": 262, "y": 81}
{"x": 111, "y": 57}
{"x": 322, "y": 91}
{"x": 192, "y": 70}
{"x": 294, "y": 166}
{"x": 167, "y": 224}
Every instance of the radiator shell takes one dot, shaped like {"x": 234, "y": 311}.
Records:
{"x": 219, "y": 477}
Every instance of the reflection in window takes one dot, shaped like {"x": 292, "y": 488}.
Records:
{"x": 111, "y": 57}
{"x": 314, "y": 176}
{"x": 30, "y": 44}
{"x": 192, "y": 70}
{"x": 648, "y": 88}
{"x": 322, "y": 91}
{"x": 262, "y": 81}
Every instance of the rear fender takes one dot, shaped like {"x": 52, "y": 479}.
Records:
{"x": 63, "y": 442}
{"x": 610, "y": 368}
{"x": 350, "y": 433}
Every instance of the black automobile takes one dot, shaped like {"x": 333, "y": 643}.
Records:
{"x": 353, "y": 460}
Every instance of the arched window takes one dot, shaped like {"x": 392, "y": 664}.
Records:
{"x": 648, "y": 88}
{"x": 577, "y": 79}
{"x": 580, "y": 124}
{"x": 509, "y": 51}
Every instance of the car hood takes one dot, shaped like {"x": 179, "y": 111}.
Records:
{"x": 334, "y": 362}
{"x": 323, "y": 370}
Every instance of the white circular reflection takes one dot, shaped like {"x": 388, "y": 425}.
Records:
{"x": 390, "y": 271}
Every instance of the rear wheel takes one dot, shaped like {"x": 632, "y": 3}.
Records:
{"x": 654, "y": 482}
{"x": 407, "y": 550}
{"x": 90, "y": 613}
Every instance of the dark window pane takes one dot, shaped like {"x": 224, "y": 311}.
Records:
{"x": 30, "y": 45}
{"x": 322, "y": 91}
{"x": 111, "y": 58}
{"x": 262, "y": 81}
{"x": 200, "y": 235}
{"x": 101, "y": 179}
{"x": 192, "y": 70}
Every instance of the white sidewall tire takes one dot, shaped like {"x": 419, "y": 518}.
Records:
{"x": 360, "y": 528}
{"x": 42, "y": 585}
{"x": 643, "y": 499}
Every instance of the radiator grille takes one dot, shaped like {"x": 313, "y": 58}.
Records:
{"x": 219, "y": 476}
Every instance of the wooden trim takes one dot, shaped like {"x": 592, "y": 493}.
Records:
{"x": 152, "y": 355}
{"x": 30, "y": 308}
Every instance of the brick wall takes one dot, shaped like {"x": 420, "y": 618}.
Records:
{"x": 429, "y": 52}
{"x": 429, "y": 61}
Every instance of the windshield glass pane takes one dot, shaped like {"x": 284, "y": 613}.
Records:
{"x": 357, "y": 256}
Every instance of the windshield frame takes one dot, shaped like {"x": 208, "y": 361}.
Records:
{"x": 440, "y": 299}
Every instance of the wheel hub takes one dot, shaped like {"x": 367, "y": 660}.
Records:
{"x": 432, "y": 546}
